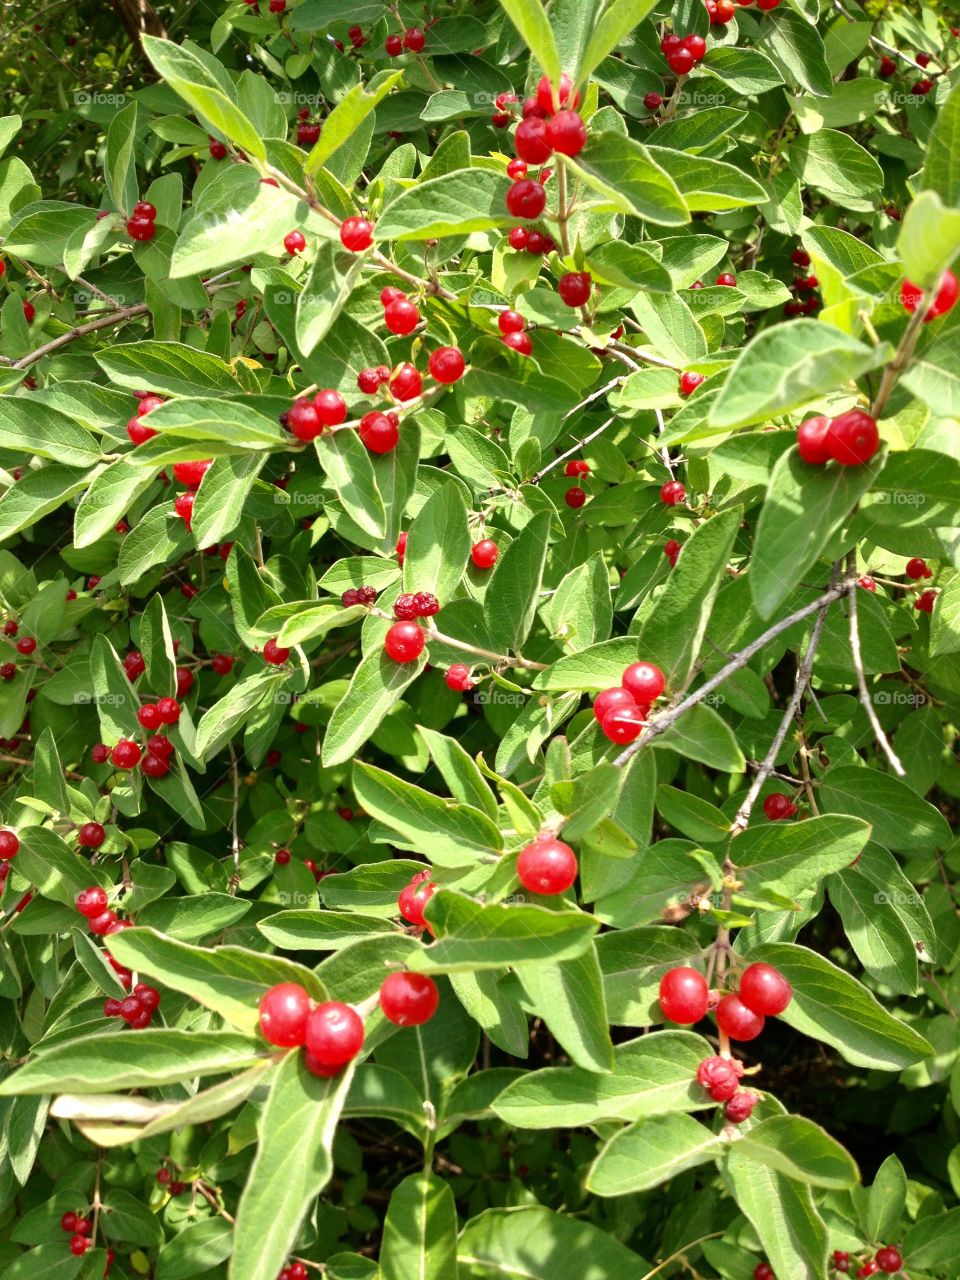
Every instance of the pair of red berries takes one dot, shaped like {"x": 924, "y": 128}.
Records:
{"x": 887, "y": 1259}
{"x": 917, "y": 568}
{"x": 413, "y": 40}
{"x": 512, "y": 328}
{"x": 683, "y": 53}
{"x": 127, "y": 754}
{"x": 142, "y": 223}
{"x": 926, "y": 600}
{"x": 622, "y": 711}
{"x": 777, "y": 806}
{"x": 944, "y": 300}
{"x": 307, "y": 418}
{"x": 356, "y": 234}
{"x": 358, "y": 595}
{"x": 420, "y": 604}
{"x": 851, "y": 439}
{"x": 164, "y": 711}
{"x": 137, "y": 432}
{"x": 721, "y": 1076}
{"x": 166, "y": 1179}
{"x": 370, "y": 380}
{"x": 295, "y": 1271}
{"x": 537, "y": 139}
{"x": 762, "y": 992}
{"x": 400, "y": 315}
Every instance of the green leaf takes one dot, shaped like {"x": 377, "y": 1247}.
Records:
{"x": 42, "y": 430}
{"x": 530, "y": 19}
{"x": 901, "y": 819}
{"x": 120, "y": 169}
{"x": 836, "y": 165}
{"x": 377, "y": 685}
{"x": 653, "y": 1075}
{"x": 460, "y": 772}
{"x": 333, "y": 277}
{"x": 449, "y": 832}
{"x": 438, "y": 544}
{"x": 116, "y": 698}
{"x": 348, "y": 467}
{"x": 471, "y": 936}
{"x": 347, "y": 116}
{"x": 611, "y": 28}
{"x": 311, "y": 930}
{"x": 510, "y": 601}
{"x": 629, "y": 180}
{"x": 886, "y": 1201}
{"x": 115, "y": 1061}
{"x": 49, "y": 784}
{"x": 199, "y": 1247}
{"x": 805, "y": 507}
{"x": 800, "y": 1150}
{"x": 568, "y": 996}
{"x": 790, "y": 857}
{"x": 702, "y": 734}
{"x": 828, "y": 1004}
{"x": 292, "y": 1165}
{"x": 230, "y": 422}
{"x": 420, "y": 1231}
{"x": 454, "y": 204}
{"x": 110, "y": 496}
{"x": 649, "y": 1152}
{"x": 159, "y": 538}
{"x": 632, "y": 962}
{"x": 932, "y": 1241}
{"x": 36, "y": 495}
{"x": 795, "y": 46}
{"x": 168, "y": 368}
{"x": 941, "y": 168}
{"x": 221, "y": 497}
{"x": 535, "y": 1243}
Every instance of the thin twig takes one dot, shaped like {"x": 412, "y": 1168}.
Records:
{"x": 857, "y": 655}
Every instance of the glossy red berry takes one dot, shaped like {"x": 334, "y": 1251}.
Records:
{"x": 169, "y": 710}
{"x": 91, "y": 835}
{"x": 191, "y": 473}
{"x": 610, "y": 699}
{"x": 695, "y": 45}
{"x": 547, "y": 866}
{"x": 683, "y": 995}
{"x": 409, "y": 999}
{"x": 284, "y": 1010}
{"x": 519, "y": 342}
{"x": 406, "y": 384}
{"x": 141, "y": 229}
{"x": 720, "y": 1077}
{"x": 763, "y": 1270}
{"x": 101, "y": 923}
{"x": 778, "y": 806}
{"x": 672, "y": 493}
{"x": 222, "y": 663}
{"x": 160, "y": 745}
{"x": 394, "y": 46}
{"x": 414, "y": 897}
{"x": 330, "y": 406}
{"x": 368, "y": 381}
{"x": 183, "y": 506}
{"x": 218, "y": 150}
{"x": 100, "y": 754}
{"x": 511, "y": 322}
{"x": 652, "y": 101}
{"x": 644, "y": 680}
{"x": 531, "y": 141}
{"x": 740, "y": 1107}
{"x": 566, "y": 133}
{"x": 727, "y": 280}
{"x": 404, "y": 642}
{"x": 149, "y": 716}
{"x": 484, "y": 553}
{"x": 624, "y": 724}
{"x": 457, "y": 677}
{"x": 274, "y": 653}
{"x": 91, "y": 902}
{"x": 401, "y": 316}
{"x": 79, "y": 1245}
{"x": 917, "y": 569}
{"x": 68, "y": 1223}
{"x": 526, "y": 199}
{"x": 925, "y": 601}
{"x": 334, "y": 1033}
{"x": 888, "y": 1259}
{"x": 812, "y": 440}
{"x": 868, "y": 1269}
{"x": 853, "y": 437}
{"x": 126, "y": 754}
{"x": 944, "y": 299}
{"x": 764, "y": 989}
{"x": 425, "y": 604}
{"x": 575, "y": 497}
{"x": 26, "y": 645}
{"x": 446, "y": 364}
{"x": 294, "y": 242}
{"x": 576, "y": 467}
{"x": 681, "y": 61}
{"x": 689, "y": 382}
{"x": 575, "y": 287}
{"x": 739, "y": 1022}
{"x": 566, "y": 96}
{"x": 414, "y": 39}
{"x": 378, "y": 433}
{"x": 516, "y": 170}
{"x": 356, "y": 234}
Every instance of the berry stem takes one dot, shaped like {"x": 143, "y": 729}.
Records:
{"x": 857, "y": 656}
{"x": 517, "y": 660}
{"x": 901, "y": 358}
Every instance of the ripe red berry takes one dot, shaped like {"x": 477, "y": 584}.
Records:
{"x": 511, "y": 322}
{"x": 778, "y": 806}
{"x": 26, "y": 645}
{"x": 917, "y": 569}
{"x": 91, "y": 902}
{"x": 526, "y": 199}
{"x": 740, "y": 1107}
{"x": 519, "y": 238}
{"x": 409, "y": 999}
{"x": 576, "y": 467}
{"x": 183, "y": 506}
{"x": 126, "y": 754}
{"x": 681, "y": 62}
{"x": 645, "y": 681}
{"x": 356, "y": 234}
{"x": 294, "y": 242}
{"x": 623, "y": 724}
{"x": 566, "y": 97}
{"x": 401, "y": 316}
{"x": 853, "y": 438}
{"x": 720, "y": 1077}
{"x": 414, "y": 39}
{"x": 307, "y": 135}
{"x": 274, "y": 653}
{"x": 566, "y": 133}
{"x": 696, "y": 45}
{"x": 887, "y": 68}
{"x": 610, "y": 699}
{"x": 531, "y": 141}
{"x": 812, "y": 440}
{"x": 191, "y": 473}
{"x": 925, "y": 601}
{"x": 79, "y": 1245}
{"x": 334, "y": 1033}
{"x": 575, "y": 497}
{"x": 141, "y": 229}
{"x": 368, "y": 381}
{"x": 867, "y": 583}
{"x": 425, "y": 604}
{"x": 727, "y": 280}
{"x": 457, "y": 677}
{"x": 406, "y": 384}
{"x": 739, "y": 1022}
{"x": 149, "y": 997}
{"x": 222, "y": 663}
{"x": 284, "y": 1010}
{"x": 841, "y": 1260}
{"x": 401, "y": 547}
{"x": 404, "y": 607}
{"x": 446, "y": 364}
{"x": 414, "y": 897}
{"x": 378, "y": 433}
{"x": 547, "y": 866}
{"x": 672, "y": 493}
{"x": 575, "y": 287}
{"x": 68, "y": 1222}
{"x": 689, "y": 382}
{"x": 143, "y": 209}
{"x": 764, "y": 989}
{"x": 516, "y": 169}
{"x": 91, "y": 835}
{"x": 888, "y": 1259}
{"x": 683, "y": 995}
{"x": 484, "y": 553}
{"x": 100, "y": 754}
{"x": 652, "y": 101}
{"x": 149, "y": 716}
{"x": 944, "y": 300}
{"x": 868, "y": 1269}
{"x": 404, "y": 642}
{"x": 394, "y": 45}
{"x": 763, "y": 1270}
{"x": 519, "y": 342}
{"x": 169, "y": 710}
{"x": 304, "y": 420}
{"x": 218, "y": 150}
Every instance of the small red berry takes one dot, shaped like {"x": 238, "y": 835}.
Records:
{"x": 645, "y": 681}
{"x": 141, "y": 229}
{"x": 888, "y": 1259}
{"x": 652, "y": 101}
{"x": 683, "y": 995}
{"x": 740, "y": 1107}
{"x": 516, "y": 169}
{"x": 727, "y": 280}
{"x": 547, "y": 866}
{"x": 334, "y": 1033}
{"x": 519, "y": 342}
{"x": 511, "y": 322}
{"x": 414, "y": 39}
{"x": 446, "y": 364}
{"x": 284, "y": 1011}
{"x": 812, "y": 440}
{"x": 739, "y": 1022}
{"x": 368, "y": 381}
{"x": 169, "y": 710}
{"x": 672, "y": 493}
{"x": 222, "y": 663}
{"x": 457, "y": 677}
{"x": 91, "y": 835}
{"x": 944, "y": 300}
{"x": 763, "y": 1270}
{"x": 575, "y": 497}
{"x": 414, "y": 897}
{"x": 406, "y": 384}
{"x": 91, "y": 902}
{"x": 126, "y": 754}
{"x": 356, "y": 234}
{"x": 26, "y": 645}
{"x": 720, "y": 1077}
{"x": 294, "y": 242}
{"x": 853, "y": 437}
{"x": 401, "y": 316}
{"x": 68, "y": 1223}
{"x": 404, "y": 642}
{"x": 409, "y": 999}
{"x": 394, "y": 46}
{"x": 149, "y": 716}
{"x": 623, "y": 725}
{"x": 778, "y": 806}
{"x": 917, "y": 569}
{"x": 484, "y": 553}
{"x": 274, "y": 653}
{"x": 575, "y": 287}
{"x": 378, "y": 433}
{"x": 100, "y": 754}
{"x": 681, "y": 62}
{"x": 689, "y": 382}
{"x": 925, "y": 601}
{"x": 566, "y": 96}
{"x": 526, "y": 199}
{"x": 764, "y": 989}
{"x": 696, "y": 45}
{"x": 566, "y": 133}
{"x": 79, "y": 1245}
{"x": 610, "y": 699}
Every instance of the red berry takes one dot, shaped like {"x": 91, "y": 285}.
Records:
{"x": 222, "y": 663}
{"x": 778, "y": 806}
{"x": 334, "y": 1033}
{"x": 739, "y": 1022}
{"x": 575, "y": 288}
{"x": 414, "y": 897}
{"x": 867, "y": 583}
{"x": 26, "y": 645}
{"x": 763, "y": 1270}
{"x": 284, "y": 1011}
{"x": 406, "y": 383}
{"x": 888, "y": 1259}
{"x": 623, "y": 724}
{"x": 282, "y": 857}
{"x": 511, "y": 322}
{"x": 917, "y": 569}
{"x": 720, "y": 1077}
{"x": 925, "y": 601}
{"x": 149, "y": 997}
{"x": 91, "y": 836}
{"x": 726, "y": 279}
{"x": 79, "y": 1245}
{"x": 576, "y": 467}
{"x": 696, "y": 45}
{"x": 217, "y": 150}
{"x": 143, "y": 208}
{"x": 764, "y": 989}
{"x": 368, "y": 381}
{"x": 652, "y": 101}
{"x": 484, "y": 553}
{"x": 409, "y": 999}
{"x": 401, "y": 316}
{"x": 812, "y": 440}
{"x": 887, "y": 68}
{"x": 645, "y": 681}
{"x": 414, "y": 39}
{"x": 566, "y": 133}
{"x": 531, "y": 141}
{"x": 519, "y": 342}
{"x": 610, "y": 699}
{"x": 68, "y": 1222}
{"x": 672, "y": 493}
{"x": 681, "y": 61}
{"x": 100, "y": 754}
{"x": 378, "y": 433}
{"x": 304, "y": 420}
{"x": 141, "y": 228}
{"x": 683, "y": 995}
{"x": 869, "y": 1268}
{"x": 446, "y": 364}
{"x": 274, "y": 653}
{"x": 526, "y": 199}
{"x": 126, "y": 754}
{"x": 356, "y": 234}
{"x": 740, "y": 1107}
{"x": 183, "y": 506}
{"x": 564, "y": 92}
{"x": 149, "y": 716}
{"x": 943, "y": 301}
{"x": 404, "y": 607}
{"x": 404, "y": 642}
{"x": 307, "y": 135}
{"x": 169, "y": 710}
{"x": 689, "y": 382}
{"x": 853, "y": 437}
{"x": 516, "y": 169}
{"x": 101, "y": 923}
{"x": 575, "y": 497}
{"x": 394, "y": 45}
{"x": 191, "y": 473}
{"x": 457, "y": 677}
{"x": 425, "y": 604}
{"x": 401, "y": 547}
{"x": 547, "y": 866}
{"x": 91, "y": 902}
{"x": 294, "y": 242}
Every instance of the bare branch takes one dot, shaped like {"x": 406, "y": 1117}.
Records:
{"x": 857, "y": 655}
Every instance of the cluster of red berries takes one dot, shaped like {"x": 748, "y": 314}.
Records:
{"x": 413, "y": 40}
{"x": 136, "y": 1009}
{"x": 512, "y": 328}
{"x": 850, "y": 439}
{"x": 358, "y": 595}
{"x": 141, "y": 225}
{"x": 720, "y": 12}
{"x": 721, "y": 1077}
{"x": 295, "y": 1271}
{"x": 332, "y": 1033}
{"x": 805, "y": 285}
{"x": 101, "y": 920}
{"x": 622, "y": 711}
{"x": 137, "y": 432}
{"x": 458, "y": 678}
{"x": 419, "y": 604}
{"x": 127, "y": 754}
{"x": 762, "y": 992}
{"x": 683, "y": 53}
{"x": 307, "y": 418}
{"x": 528, "y": 239}
{"x": 911, "y": 296}
{"x": 78, "y": 1228}
{"x": 166, "y": 1179}
{"x": 164, "y": 711}
{"x": 887, "y": 1259}
{"x": 671, "y": 549}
